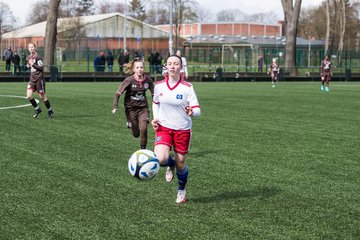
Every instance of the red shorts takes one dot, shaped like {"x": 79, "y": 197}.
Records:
{"x": 180, "y": 139}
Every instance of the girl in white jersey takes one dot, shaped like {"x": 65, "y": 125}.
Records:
{"x": 174, "y": 103}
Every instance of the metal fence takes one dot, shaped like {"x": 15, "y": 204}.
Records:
{"x": 211, "y": 59}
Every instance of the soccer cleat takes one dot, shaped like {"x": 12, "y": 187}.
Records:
{"x": 128, "y": 124}
{"x": 50, "y": 114}
{"x": 181, "y": 197}
{"x": 322, "y": 87}
{"x": 169, "y": 175}
{"x": 327, "y": 89}
{"x": 37, "y": 113}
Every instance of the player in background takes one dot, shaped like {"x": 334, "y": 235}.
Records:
{"x": 184, "y": 70}
{"x": 274, "y": 71}
{"x": 325, "y": 73}
{"x": 135, "y": 101}
{"x": 174, "y": 104}
{"x": 37, "y": 81}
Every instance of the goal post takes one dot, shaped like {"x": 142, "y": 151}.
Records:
{"x": 237, "y": 49}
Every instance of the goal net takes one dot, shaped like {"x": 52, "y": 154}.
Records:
{"x": 240, "y": 54}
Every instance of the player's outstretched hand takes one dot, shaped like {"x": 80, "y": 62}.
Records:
{"x": 114, "y": 110}
{"x": 189, "y": 110}
{"x": 155, "y": 124}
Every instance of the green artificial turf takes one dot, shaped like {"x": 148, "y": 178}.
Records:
{"x": 265, "y": 163}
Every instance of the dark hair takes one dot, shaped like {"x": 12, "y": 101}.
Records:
{"x": 174, "y": 55}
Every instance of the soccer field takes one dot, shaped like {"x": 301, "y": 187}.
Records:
{"x": 265, "y": 163}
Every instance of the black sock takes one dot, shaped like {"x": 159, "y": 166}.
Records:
{"x": 33, "y": 102}
{"x": 47, "y": 104}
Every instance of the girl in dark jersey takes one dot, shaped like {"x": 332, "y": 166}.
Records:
{"x": 135, "y": 102}
{"x": 326, "y": 73}
{"x": 274, "y": 70}
{"x": 37, "y": 81}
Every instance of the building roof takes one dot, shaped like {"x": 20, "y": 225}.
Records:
{"x": 227, "y": 28}
{"x": 38, "y": 30}
{"x": 211, "y": 40}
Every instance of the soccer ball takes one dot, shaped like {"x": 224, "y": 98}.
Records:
{"x": 143, "y": 164}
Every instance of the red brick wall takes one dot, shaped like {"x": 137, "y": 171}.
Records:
{"x": 229, "y": 29}
{"x": 208, "y": 29}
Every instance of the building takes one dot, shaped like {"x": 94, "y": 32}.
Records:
{"x": 242, "y": 43}
{"x": 227, "y": 29}
{"x": 97, "y": 32}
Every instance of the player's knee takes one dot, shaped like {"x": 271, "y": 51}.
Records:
{"x": 43, "y": 97}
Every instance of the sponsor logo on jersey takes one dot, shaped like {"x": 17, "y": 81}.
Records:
{"x": 179, "y": 96}
{"x": 158, "y": 138}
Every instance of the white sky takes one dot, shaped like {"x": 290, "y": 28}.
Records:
{"x": 20, "y": 8}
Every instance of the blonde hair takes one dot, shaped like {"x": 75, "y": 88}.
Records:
{"x": 129, "y": 67}
{"x": 32, "y": 44}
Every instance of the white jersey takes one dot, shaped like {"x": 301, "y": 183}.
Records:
{"x": 171, "y": 103}
{"x": 184, "y": 67}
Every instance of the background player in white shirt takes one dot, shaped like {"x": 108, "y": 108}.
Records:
{"x": 184, "y": 70}
{"x": 174, "y": 103}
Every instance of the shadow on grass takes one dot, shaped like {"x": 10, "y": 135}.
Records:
{"x": 262, "y": 193}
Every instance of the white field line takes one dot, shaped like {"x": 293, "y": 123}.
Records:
{"x": 17, "y": 106}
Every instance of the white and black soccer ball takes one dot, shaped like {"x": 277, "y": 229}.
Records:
{"x": 143, "y": 164}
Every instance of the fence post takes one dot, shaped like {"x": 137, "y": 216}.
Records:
{"x": 88, "y": 60}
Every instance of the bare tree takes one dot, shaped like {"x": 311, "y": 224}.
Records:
{"x": 85, "y": 7}
{"x": 291, "y": 13}
{"x": 230, "y": 15}
{"x": 183, "y": 12}
{"x": 327, "y": 37}
{"x": 342, "y": 27}
{"x": 110, "y": 7}
{"x": 137, "y": 10}
{"x": 235, "y": 15}
{"x": 50, "y": 32}
{"x": 266, "y": 17}
{"x": 311, "y": 22}
{"x": 7, "y": 18}
{"x": 158, "y": 13}
{"x": 327, "y": 22}
{"x": 6, "y": 21}
{"x": 204, "y": 14}
{"x": 41, "y": 7}
{"x": 68, "y": 8}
